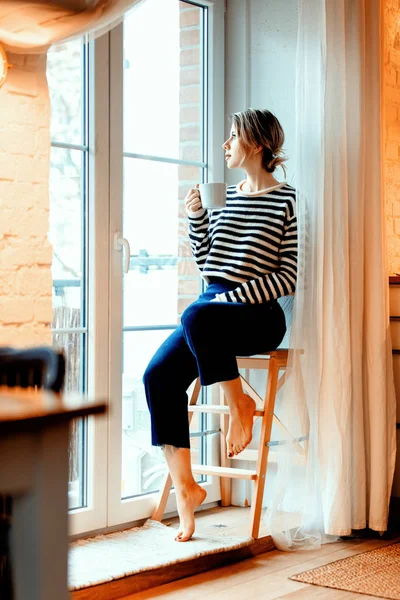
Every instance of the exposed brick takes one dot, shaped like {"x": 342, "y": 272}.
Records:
{"x": 19, "y": 252}
{"x": 186, "y": 173}
{"x": 187, "y": 267}
{"x": 8, "y": 167}
{"x": 25, "y": 252}
{"x": 34, "y": 281}
{"x": 18, "y": 139}
{"x": 42, "y": 252}
{"x": 189, "y": 18}
{"x": 191, "y": 114}
{"x": 182, "y": 211}
{"x": 392, "y": 95}
{"x": 43, "y": 310}
{"x": 190, "y": 152}
{"x": 393, "y": 133}
{"x": 25, "y": 223}
{"x": 393, "y": 244}
{"x": 189, "y": 76}
{"x": 28, "y": 334}
{"x": 190, "y": 57}
{"x": 183, "y": 227}
{"x": 183, "y": 303}
{"x": 42, "y": 141}
{"x": 8, "y": 281}
{"x": 35, "y": 169}
{"x": 40, "y": 197}
{"x": 16, "y": 309}
{"x": 5, "y": 193}
{"x": 15, "y": 254}
{"x": 391, "y": 112}
{"x": 392, "y": 150}
{"x": 189, "y": 37}
{"x": 189, "y": 94}
{"x": 189, "y": 133}
{"x": 184, "y": 248}
{"x": 189, "y": 286}
{"x": 21, "y": 195}
{"x": 391, "y": 77}
{"x": 183, "y": 190}
{"x": 392, "y": 169}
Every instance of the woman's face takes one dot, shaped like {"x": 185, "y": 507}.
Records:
{"x": 235, "y": 153}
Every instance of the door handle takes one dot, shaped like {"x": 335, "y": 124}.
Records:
{"x": 119, "y": 243}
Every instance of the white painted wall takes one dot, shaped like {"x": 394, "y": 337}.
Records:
{"x": 261, "y": 38}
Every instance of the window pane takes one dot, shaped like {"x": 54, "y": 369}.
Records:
{"x": 163, "y": 117}
{"x": 163, "y": 80}
{"x": 66, "y": 218}
{"x": 64, "y": 75}
{"x": 163, "y": 278}
{"x": 73, "y": 349}
{"x": 143, "y": 466}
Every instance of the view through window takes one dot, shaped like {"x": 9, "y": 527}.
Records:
{"x": 164, "y": 156}
{"x": 67, "y": 77}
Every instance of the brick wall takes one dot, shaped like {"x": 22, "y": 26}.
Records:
{"x": 25, "y": 252}
{"x": 189, "y": 143}
{"x": 392, "y": 130}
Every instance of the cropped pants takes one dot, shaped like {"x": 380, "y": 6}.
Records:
{"x": 206, "y": 344}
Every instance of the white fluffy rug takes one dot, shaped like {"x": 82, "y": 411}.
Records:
{"x": 115, "y": 555}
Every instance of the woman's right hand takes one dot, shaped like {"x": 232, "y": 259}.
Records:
{"x": 193, "y": 201}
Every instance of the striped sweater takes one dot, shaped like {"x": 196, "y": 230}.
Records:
{"x": 252, "y": 240}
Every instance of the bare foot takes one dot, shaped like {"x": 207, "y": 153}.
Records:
{"x": 187, "y": 500}
{"x": 240, "y": 426}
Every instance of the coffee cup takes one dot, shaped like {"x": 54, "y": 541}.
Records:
{"x": 213, "y": 195}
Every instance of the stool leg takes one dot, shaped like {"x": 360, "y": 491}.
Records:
{"x": 263, "y": 449}
{"x": 226, "y": 484}
{"x": 162, "y": 499}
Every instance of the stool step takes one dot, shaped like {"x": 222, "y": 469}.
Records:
{"x": 219, "y": 409}
{"x": 273, "y": 457}
{"x": 224, "y": 472}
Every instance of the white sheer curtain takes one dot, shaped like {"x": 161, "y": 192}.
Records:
{"x": 340, "y": 388}
{"x": 32, "y": 26}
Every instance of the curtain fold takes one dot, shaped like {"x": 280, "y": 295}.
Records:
{"x": 340, "y": 390}
{"x": 32, "y": 26}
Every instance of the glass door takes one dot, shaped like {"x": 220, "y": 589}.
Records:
{"x": 159, "y": 149}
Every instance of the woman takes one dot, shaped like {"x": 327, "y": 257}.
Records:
{"x": 247, "y": 253}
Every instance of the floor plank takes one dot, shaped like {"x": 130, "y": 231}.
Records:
{"x": 265, "y": 576}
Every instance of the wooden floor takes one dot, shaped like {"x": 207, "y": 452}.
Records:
{"x": 264, "y": 576}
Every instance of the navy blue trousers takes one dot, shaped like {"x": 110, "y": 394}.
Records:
{"x": 206, "y": 344}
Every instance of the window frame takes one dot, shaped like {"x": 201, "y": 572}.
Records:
{"x": 105, "y": 511}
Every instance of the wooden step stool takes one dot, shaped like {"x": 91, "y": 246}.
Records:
{"x": 274, "y": 362}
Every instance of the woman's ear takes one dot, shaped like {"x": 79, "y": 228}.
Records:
{"x": 257, "y": 150}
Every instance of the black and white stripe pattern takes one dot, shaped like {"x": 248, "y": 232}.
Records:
{"x": 253, "y": 240}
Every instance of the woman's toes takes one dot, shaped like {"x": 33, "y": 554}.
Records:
{"x": 183, "y": 538}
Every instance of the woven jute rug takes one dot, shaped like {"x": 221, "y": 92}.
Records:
{"x": 109, "y": 557}
{"x": 376, "y": 573}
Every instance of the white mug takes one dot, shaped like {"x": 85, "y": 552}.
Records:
{"x": 213, "y": 195}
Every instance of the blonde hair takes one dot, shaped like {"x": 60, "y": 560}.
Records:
{"x": 261, "y": 128}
